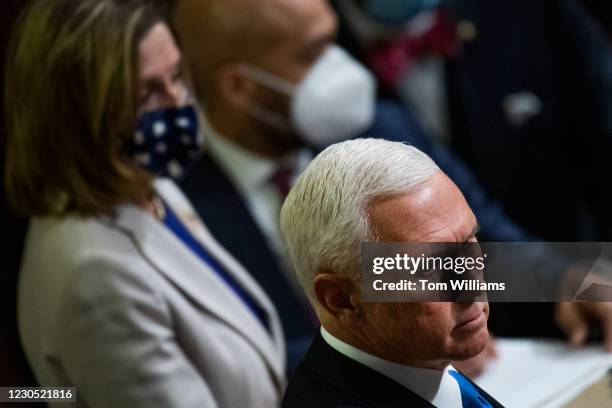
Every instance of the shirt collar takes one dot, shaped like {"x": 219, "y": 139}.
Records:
{"x": 435, "y": 386}
{"x": 247, "y": 170}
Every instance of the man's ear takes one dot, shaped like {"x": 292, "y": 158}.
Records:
{"x": 338, "y": 296}
{"x": 234, "y": 86}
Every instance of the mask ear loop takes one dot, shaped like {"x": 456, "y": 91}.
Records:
{"x": 274, "y": 83}
{"x": 201, "y": 120}
{"x": 269, "y": 80}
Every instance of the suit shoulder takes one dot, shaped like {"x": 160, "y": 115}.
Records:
{"x": 306, "y": 390}
{"x": 67, "y": 256}
{"x": 71, "y": 239}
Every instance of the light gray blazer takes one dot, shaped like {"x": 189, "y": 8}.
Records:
{"x": 123, "y": 310}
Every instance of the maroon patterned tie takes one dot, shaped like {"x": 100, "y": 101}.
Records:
{"x": 282, "y": 178}
{"x": 390, "y": 59}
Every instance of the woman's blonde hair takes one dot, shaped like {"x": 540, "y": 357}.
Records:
{"x": 71, "y": 98}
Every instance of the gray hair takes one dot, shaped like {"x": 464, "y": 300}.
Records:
{"x": 325, "y": 216}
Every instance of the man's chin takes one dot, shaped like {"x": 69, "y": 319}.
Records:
{"x": 470, "y": 347}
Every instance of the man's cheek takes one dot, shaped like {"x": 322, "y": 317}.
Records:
{"x": 432, "y": 329}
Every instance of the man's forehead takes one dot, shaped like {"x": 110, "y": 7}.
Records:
{"x": 247, "y": 26}
{"x": 435, "y": 211}
{"x": 296, "y": 17}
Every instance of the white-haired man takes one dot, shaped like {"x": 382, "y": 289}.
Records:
{"x": 372, "y": 354}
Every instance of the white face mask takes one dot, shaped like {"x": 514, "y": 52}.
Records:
{"x": 334, "y": 101}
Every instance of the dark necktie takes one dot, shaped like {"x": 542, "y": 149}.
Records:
{"x": 390, "y": 59}
{"x": 282, "y": 179}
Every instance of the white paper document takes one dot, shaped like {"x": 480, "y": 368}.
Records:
{"x": 542, "y": 373}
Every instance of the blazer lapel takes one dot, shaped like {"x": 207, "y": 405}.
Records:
{"x": 226, "y": 216}
{"x": 175, "y": 198}
{"x": 184, "y": 269}
{"x": 217, "y": 202}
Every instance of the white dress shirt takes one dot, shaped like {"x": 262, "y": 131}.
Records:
{"x": 251, "y": 175}
{"x": 437, "y": 387}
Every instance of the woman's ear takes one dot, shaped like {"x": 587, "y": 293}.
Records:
{"x": 338, "y": 296}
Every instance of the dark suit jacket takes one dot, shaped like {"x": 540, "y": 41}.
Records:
{"x": 328, "y": 379}
{"x": 553, "y": 173}
{"x": 556, "y": 167}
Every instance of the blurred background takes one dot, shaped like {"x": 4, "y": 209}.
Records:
{"x": 13, "y": 367}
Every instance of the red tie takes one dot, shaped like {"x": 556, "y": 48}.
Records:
{"x": 282, "y": 178}
{"x": 390, "y": 59}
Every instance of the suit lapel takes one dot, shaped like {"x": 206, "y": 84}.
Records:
{"x": 175, "y": 198}
{"x": 217, "y": 202}
{"x": 226, "y": 215}
{"x": 489, "y": 398}
{"x": 185, "y": 270}
{"x": 357, "y": 380}
{"x": 362, "y": 383}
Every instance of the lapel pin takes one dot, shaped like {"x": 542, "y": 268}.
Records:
{"x": 467, "y": 31}
{"x": 521, "y": 107}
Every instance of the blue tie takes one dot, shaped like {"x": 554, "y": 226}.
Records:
{"x": 470, "y": 397}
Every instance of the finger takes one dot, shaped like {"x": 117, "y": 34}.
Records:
{"x": 608, "y": 337}
{"x": 605, "y": 314}
{"x": 572, "y": 321}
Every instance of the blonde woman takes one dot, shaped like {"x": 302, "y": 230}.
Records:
{"x": 123, "y": 292}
